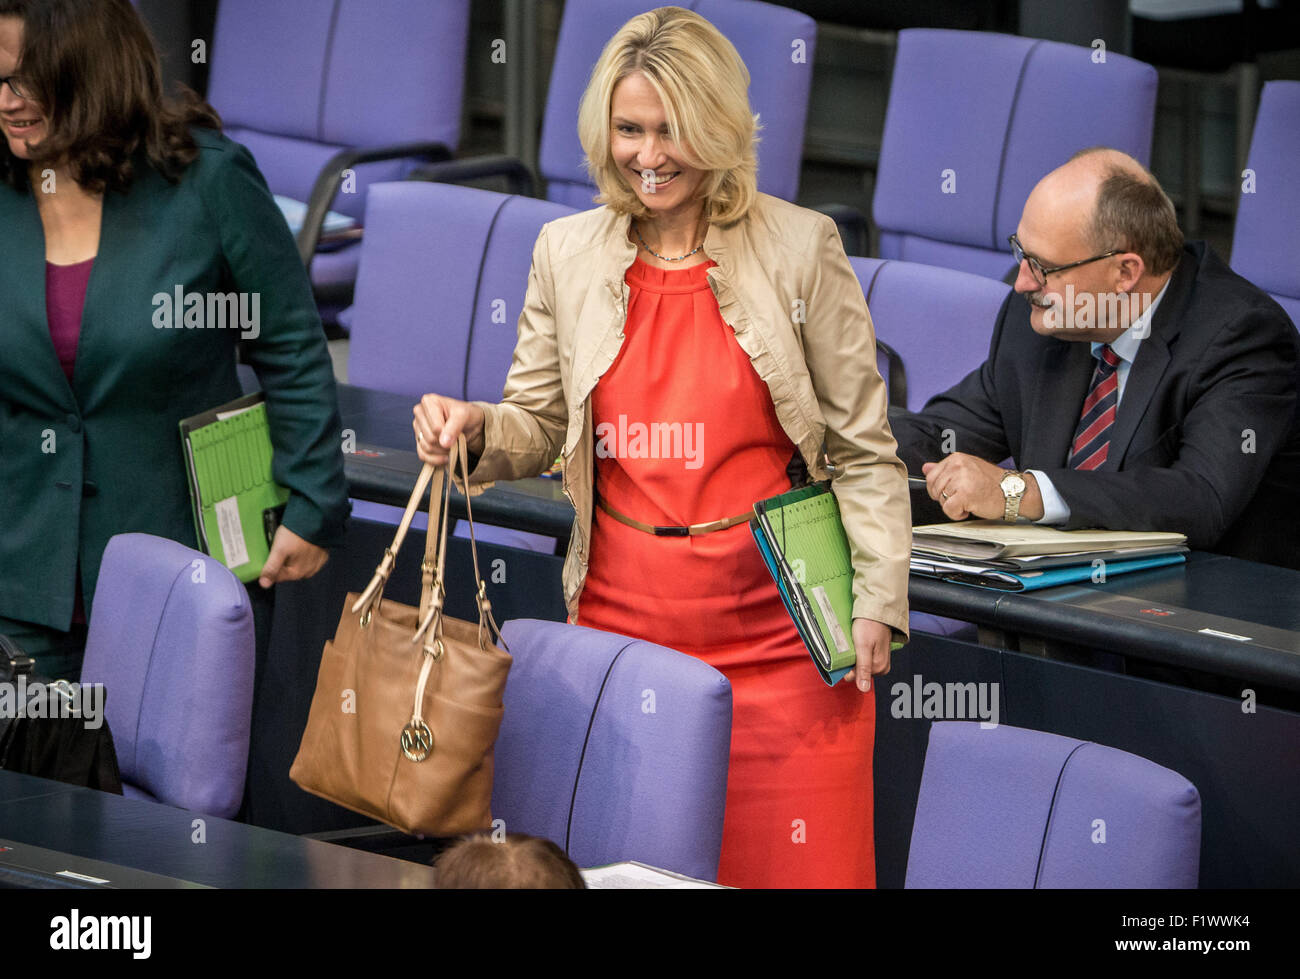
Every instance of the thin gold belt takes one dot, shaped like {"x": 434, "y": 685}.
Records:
{"x": 694, "y": 530}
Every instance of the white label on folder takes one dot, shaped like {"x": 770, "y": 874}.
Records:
{"x": 232, "y": 532}
{"x": 832, "y": 620}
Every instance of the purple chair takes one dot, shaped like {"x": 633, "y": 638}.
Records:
{"x": 316, "y": 87}
{"x": 938, "y": 321}
{"x": 442, "y": 279}
{"x": 441, "y": 284}
{"x": 940, "y": 625}
{"x": 171, "y": 638}
{"x": 985, "y": 117}
{"x": 614, "y": 748}
{"x": 933, "y": 327}
{"x": 1008, "y": 807}
{"x": 1266, "y": 242}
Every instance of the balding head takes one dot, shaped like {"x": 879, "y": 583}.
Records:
{"x": 1103, "y": 160}
{"x": 1112, "y": 202}
{"x": 517, "y": 862}
{"x": 1080, "y": 178}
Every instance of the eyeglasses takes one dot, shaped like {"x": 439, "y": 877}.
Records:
{"x": 1036, "y": 268}
{"x": 18, "y": 86}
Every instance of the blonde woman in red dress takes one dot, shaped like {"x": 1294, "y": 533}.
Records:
{"x": 684, "y": 347}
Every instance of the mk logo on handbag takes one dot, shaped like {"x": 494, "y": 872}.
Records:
{"x": 417, "y": 741}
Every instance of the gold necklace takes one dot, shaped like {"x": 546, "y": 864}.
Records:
{"x": 664, "y": 258}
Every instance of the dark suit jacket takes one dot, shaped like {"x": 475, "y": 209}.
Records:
{"x": 1205, "y": 442}
{"x": 81, "y": 462}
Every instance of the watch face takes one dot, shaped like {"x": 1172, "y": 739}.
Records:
{"x": 1013, "y": 484}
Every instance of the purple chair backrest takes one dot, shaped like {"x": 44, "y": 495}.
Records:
{"x": 614, "y": 748}
{"x": 939, "y": 320}
{"x": 443, "y": 274}
{"x": 975, "y": 120}
{"x": 1009, "y": 807}
{"x": 296, "y": 82}
{"x": 776, "y": 44}
{"x": 171, "y": 638}
{"x": 1266, "y": 242}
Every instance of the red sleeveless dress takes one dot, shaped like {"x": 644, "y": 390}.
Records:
{"x": 799, "y": 791}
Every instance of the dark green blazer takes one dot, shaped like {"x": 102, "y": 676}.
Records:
{"x": 81, "y": 462}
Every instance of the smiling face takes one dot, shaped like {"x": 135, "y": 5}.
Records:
{"x": 21, "y": 120}
{"x": 645, "y": 152}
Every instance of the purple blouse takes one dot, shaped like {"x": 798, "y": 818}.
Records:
{"x": 65, "y": 295}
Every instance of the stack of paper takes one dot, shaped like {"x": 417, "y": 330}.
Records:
{"x": 631, "y": 874}
{"x": 1022, "y": 557}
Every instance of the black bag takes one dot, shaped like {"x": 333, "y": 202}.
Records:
{"x": 61, "y": 748}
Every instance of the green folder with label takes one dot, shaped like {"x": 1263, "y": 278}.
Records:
{"x": 237, "y": 504}
{"x": 804, "y": 546}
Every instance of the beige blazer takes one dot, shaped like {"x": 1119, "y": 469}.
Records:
{"x": 784, "y": 285}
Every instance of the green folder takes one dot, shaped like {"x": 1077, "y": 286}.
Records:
{"x": 237, "y": 504}
{"x": 804, "y": 546}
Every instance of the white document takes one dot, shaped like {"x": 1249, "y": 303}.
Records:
{"x": 632, "y": 875}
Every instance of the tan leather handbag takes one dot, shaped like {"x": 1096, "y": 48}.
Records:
{"x": 408, "y": 701}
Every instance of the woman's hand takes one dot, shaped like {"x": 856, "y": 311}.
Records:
{"x": 871, "y": 642}
{"x": 439, "y": 420}
{"x": 291, "y": 558}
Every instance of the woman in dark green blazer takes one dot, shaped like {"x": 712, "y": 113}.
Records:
{"x": 96, "y": 163}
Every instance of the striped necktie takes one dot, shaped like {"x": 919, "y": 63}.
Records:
{"x": 1092, "y": 436}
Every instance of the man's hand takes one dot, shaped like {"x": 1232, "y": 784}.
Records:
{"x": 871, "y": 643}
{"x": 291, "y": 558}
{"x": 967, "y": 486}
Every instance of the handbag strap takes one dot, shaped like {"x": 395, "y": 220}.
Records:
{"x": 432, "y": 589}
{"x": 373, "y": 592}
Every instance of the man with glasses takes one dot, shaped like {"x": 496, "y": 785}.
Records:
{"x": 1136, "y": 381}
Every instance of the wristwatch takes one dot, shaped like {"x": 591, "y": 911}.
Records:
{"x": 1013, "y": 488}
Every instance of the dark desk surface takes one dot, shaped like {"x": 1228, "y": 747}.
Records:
{"x": 1216, "y": 614}
{"x": 383, "y": 469}
{"x": 159, "y": 839}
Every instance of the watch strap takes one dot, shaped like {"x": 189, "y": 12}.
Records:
{"x": 1012, "y": 509}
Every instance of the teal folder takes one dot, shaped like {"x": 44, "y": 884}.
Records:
{"x": 237, "y": 504}
{"x": 805, "y": 549}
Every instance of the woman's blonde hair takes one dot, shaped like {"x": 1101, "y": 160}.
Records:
{"x": 703, "y": 85}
